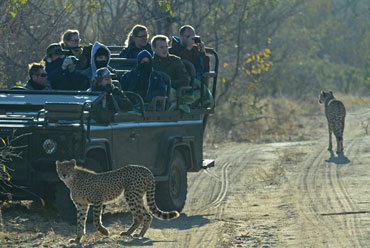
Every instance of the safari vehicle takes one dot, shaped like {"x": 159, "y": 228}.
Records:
{"x": 47, "y": 126}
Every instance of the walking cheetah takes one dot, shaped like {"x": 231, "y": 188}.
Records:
{"x": 335, "y": 113}
{"x": 90, "y": 188}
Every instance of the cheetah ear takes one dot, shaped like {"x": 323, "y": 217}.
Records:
{"x": 331, "y": 92}
{"x": 73, "y": 161}
{"x": 57, "y": 162}
{"x": 323, "y": 93}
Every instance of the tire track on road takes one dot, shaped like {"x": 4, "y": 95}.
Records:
{"x": 310, "y": 201}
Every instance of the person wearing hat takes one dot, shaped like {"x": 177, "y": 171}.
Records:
{"x": 117, "y": 100}
{"x": 143, "y": 80}
{"x": 61, "y": 70}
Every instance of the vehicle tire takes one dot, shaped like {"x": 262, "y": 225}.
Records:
{"x": 64, "y": 204}
{"x": 171, "y": 195}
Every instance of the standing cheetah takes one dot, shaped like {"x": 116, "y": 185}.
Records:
{"x": 90, "y": 188}
{"x": 335, "y": 113}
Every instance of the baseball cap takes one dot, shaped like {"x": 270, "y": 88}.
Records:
{"x": 103, "y": 73}
{"x": 54, "y": 48}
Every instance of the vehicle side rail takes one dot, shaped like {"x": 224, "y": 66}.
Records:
{"x": 17, "y": 120}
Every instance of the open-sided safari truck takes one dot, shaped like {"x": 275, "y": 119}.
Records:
{"x": 46, "y": 126}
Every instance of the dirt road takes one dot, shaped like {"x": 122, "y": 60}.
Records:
{"x": 291, "y": 194}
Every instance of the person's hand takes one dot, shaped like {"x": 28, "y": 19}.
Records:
{"x": 201, "y": 47}
{"x": 69, "y": 63}
{"x": 108, "y": 88}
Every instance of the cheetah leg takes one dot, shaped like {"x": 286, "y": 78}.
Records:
{"x": 147, "y": 220}
{"x": 81, "y": 221}
{"x": 342, "y": 137}
{"x": 98, "y": 209}
{"x": 330, "y": 148}
{"x": 133, "y": 200}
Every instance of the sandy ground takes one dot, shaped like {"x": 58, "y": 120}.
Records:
{"x": 291, "y": 194}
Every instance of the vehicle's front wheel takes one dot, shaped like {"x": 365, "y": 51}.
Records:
{"x": 171, "y": 195}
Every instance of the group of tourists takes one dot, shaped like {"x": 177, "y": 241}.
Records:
{"x": 68, "y": 65}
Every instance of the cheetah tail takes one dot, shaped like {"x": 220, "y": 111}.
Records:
{"x": 156, "y": 212}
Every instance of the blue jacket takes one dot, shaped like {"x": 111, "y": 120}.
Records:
{"x": 148, "y": 89}
{"x": 132, "y": 51}
{"x": 64, "y": 80}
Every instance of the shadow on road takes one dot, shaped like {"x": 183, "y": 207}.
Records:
{"x": 182, "y": 223}
{"x": 340, "y": 159}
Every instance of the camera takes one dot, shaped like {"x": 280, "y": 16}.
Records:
{"x": 197, "y": 39}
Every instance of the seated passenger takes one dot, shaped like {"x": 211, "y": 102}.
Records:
{"x": 38, "y": 77}
{"x": 137, "y": 40}
{"x": 168, "y": 63}
{"x": 61, "y": 73}
{"x": 189, "y": 46}
{"x": 100, "y": 57}
{"x": 143, "y": 80}
{"x": 70, "y": 41}
{"x": 103, "y": 82}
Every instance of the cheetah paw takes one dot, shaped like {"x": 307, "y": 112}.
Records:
{"x": 138, "y": 236}
{"x": 76, "y": 240}
{"x": 127, "y": 237}
{"x": 104, "y": 231}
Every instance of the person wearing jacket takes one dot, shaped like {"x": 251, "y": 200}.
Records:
{"x": 38, "y": 77}
{"x": 103, "y": 82}
{"x": 100, "y": 57}
{"x": 63, "y": 77}
{"x": 145, "y": 81}
{"x": 189, "y": 46}
{"x": 70, "y": 41}
{"x": 136, "y": 41}
{"x": 168, "y": 63}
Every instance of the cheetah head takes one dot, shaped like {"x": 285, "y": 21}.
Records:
{"x": 65, "y": 169}
{"x": 325, "y": 96}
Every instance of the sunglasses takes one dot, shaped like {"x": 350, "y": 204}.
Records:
{"x": 42, "y": 74}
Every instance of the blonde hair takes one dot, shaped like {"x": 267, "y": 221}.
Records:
{"x": 158, "y": 37}
{"x": 134, "y": 32}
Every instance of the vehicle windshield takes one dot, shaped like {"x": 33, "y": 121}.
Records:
{"x": 40, "y": 97}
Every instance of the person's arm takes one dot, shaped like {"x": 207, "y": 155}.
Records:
{"x": 123, "y": 102}
{"x": 182, "y": 75}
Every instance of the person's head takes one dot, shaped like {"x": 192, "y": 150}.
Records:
{"x": 37, "y": 73}
{"x": 187, "y": 34}
{"x": 101, "y": 58}
{"x": 103, "y": 77}
{"x": 144, "y": 62}
{"x": 138, "y": 36}
{"x": 54, "y": 52}
{"x": 160, "y": 45}
{"x": 71, "y": 38}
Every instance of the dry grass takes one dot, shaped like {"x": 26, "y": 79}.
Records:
{"x": 279, "y": 119}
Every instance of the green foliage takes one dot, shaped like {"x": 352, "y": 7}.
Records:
{"x": 13, "y": 6}
{"x": 165, "y": 4}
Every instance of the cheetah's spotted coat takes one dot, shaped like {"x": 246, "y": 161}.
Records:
{"x": 335, "y": 113}
{"x": 90, "y": 188}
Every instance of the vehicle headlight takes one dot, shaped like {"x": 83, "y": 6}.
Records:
{"x": 50, "y": 146}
